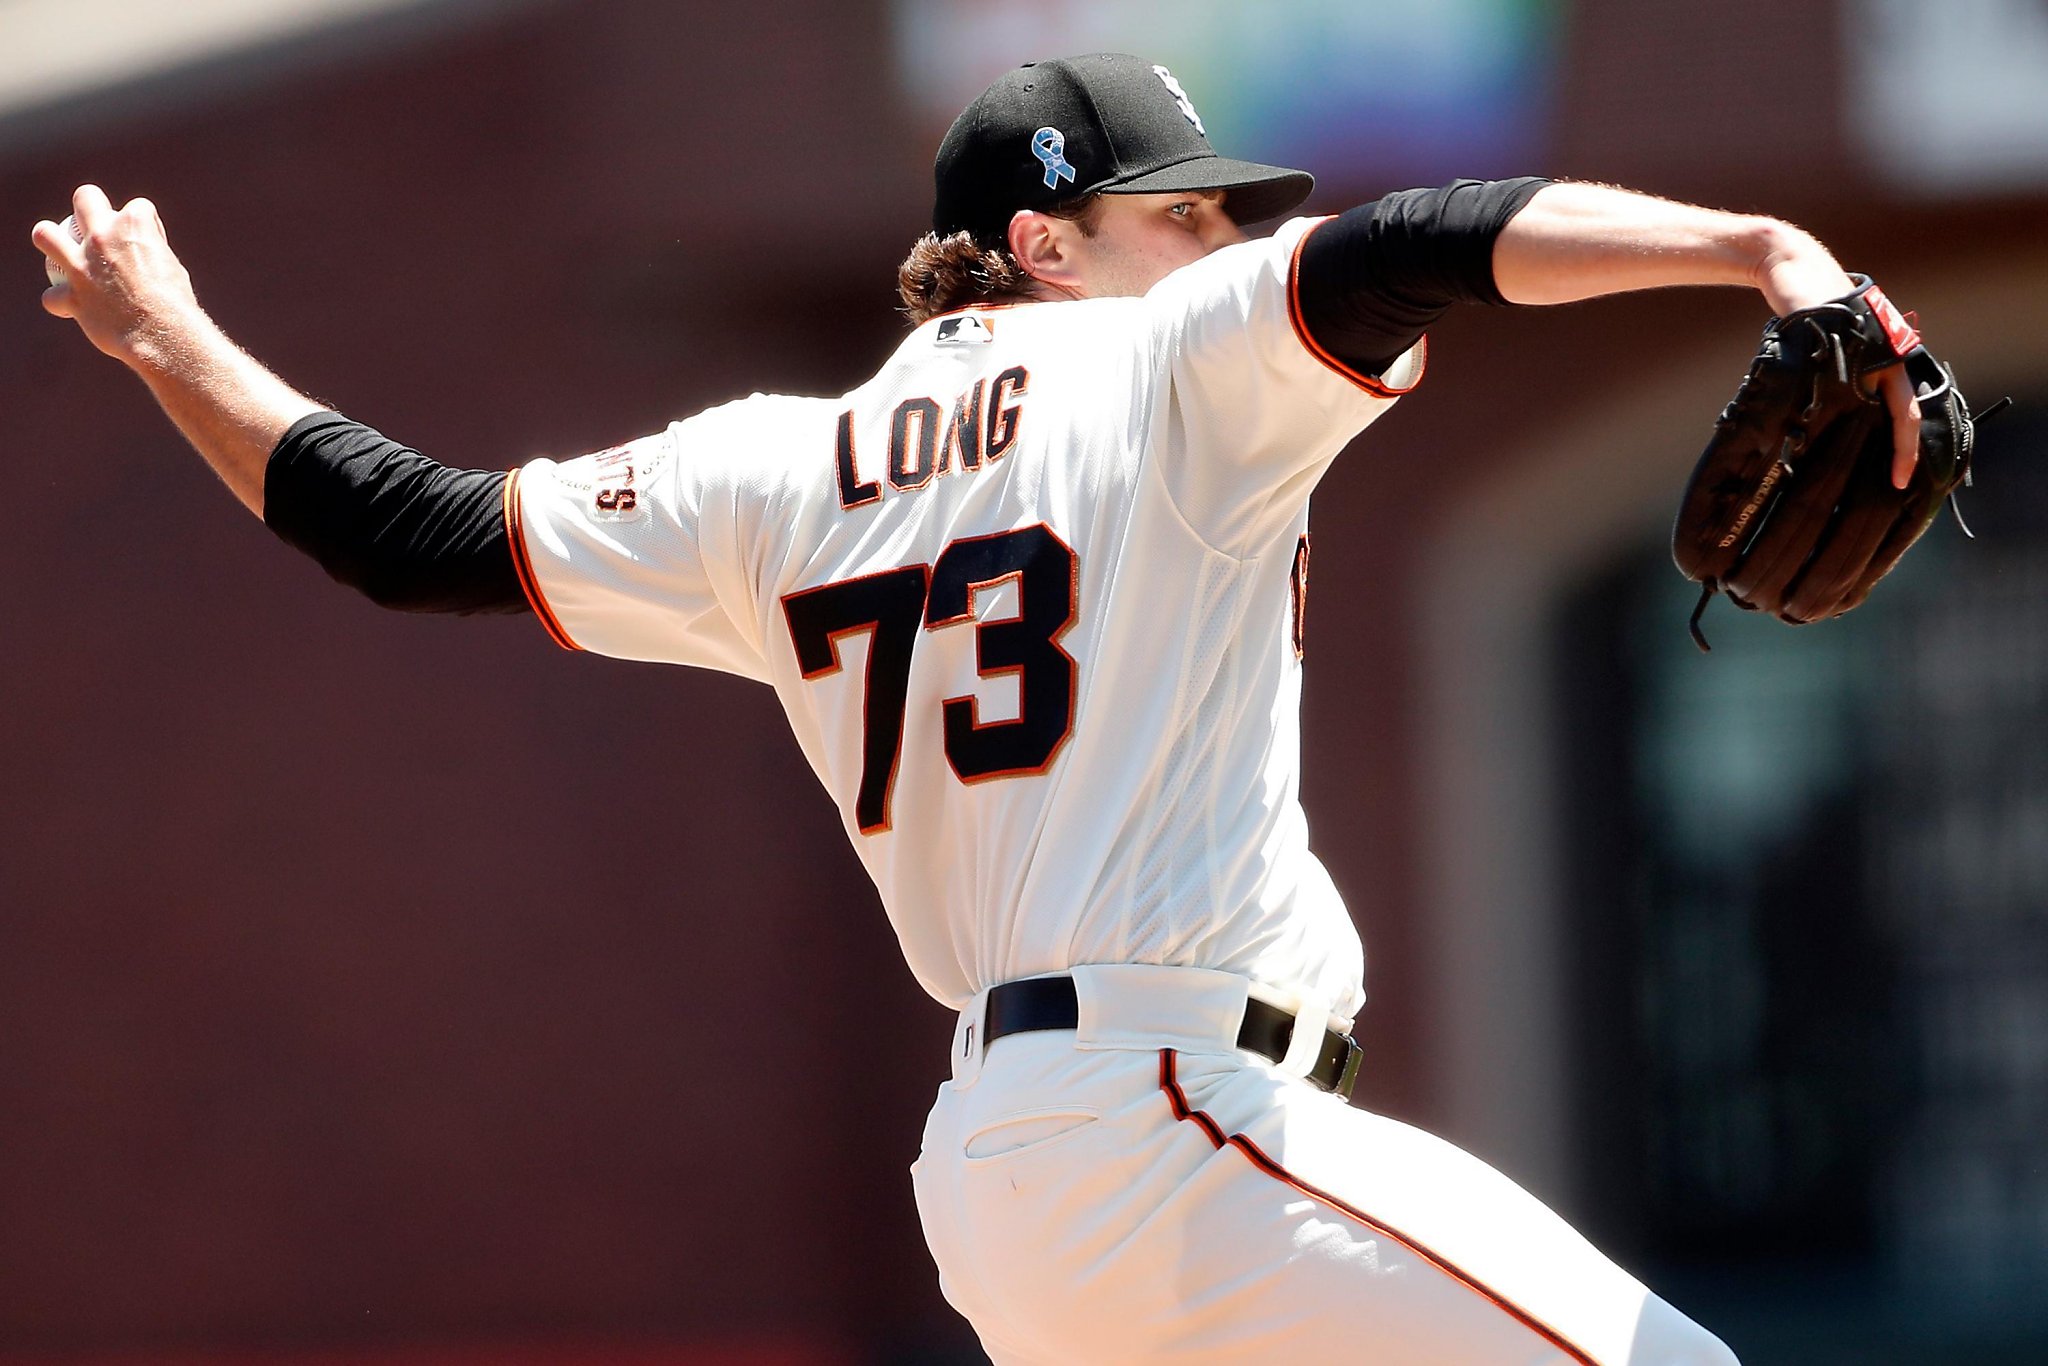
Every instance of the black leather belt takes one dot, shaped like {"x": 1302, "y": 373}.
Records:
{"x": 1050, "y": 1003}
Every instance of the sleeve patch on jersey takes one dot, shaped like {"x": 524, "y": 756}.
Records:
{"x": 612, "y": 484}
{"x": 617, "y": 480}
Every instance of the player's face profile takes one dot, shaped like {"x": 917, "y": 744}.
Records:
{"x": 1137, "y": 240}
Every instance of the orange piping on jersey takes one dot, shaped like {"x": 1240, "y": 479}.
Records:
{"x": 529, "y": 584}
{"x": 1170, "y": 1084}
{"x": 1373, "y": 386}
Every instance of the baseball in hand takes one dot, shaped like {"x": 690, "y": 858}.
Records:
{"x": 50, "y": 267}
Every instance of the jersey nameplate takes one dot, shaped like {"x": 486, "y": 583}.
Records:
{"x": 927, "y": 441}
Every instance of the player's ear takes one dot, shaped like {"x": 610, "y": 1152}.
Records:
{"x": 1043, "y": 246}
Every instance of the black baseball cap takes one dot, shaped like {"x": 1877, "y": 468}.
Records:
{"x": 1106, "y": 123}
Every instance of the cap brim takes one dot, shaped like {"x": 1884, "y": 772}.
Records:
{"x": 1253, "y": 192}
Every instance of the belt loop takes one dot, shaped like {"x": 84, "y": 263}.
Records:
{"x": 1305, "y": 1045}
{"x": 970, "y": 1040}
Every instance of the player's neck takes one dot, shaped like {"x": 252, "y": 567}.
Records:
{"x": 1044, "y": 292}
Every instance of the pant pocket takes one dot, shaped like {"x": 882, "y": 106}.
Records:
{"x": 1027, "y": 1131}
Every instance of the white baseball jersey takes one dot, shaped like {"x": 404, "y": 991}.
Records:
{"x": 1030, "y": 597}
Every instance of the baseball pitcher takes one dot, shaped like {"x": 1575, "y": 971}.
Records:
{"x": 1031, "y": 598}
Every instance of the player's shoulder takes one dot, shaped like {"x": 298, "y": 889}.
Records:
{"x": 1267, "y": 260}
{"x": 750, "y": 429}
{"x": 755, "y": 447}
{"x": 756, "y": 411}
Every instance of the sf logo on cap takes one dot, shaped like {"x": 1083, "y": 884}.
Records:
{"x": 1049, "y": 145}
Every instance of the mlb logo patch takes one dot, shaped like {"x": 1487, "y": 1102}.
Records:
{"x": 969, "y": 329}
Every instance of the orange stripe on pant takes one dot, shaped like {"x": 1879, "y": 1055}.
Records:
{"x": 1175, "y": 1097}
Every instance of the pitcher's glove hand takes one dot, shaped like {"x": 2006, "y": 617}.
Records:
{"x": 1791, "y": 509}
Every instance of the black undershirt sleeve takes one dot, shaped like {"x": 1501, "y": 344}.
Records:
{"x": 407, "y": 532}
{"x": 1373, "y": 280}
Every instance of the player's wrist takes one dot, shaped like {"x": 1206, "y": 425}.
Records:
{"x": 1793, "y": 270}
{"x": 169, "y": 338}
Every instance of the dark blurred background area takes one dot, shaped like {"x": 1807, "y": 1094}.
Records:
{"x": 400, "y": 991}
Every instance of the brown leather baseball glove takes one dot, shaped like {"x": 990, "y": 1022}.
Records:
{"x": 1791, "y": 509}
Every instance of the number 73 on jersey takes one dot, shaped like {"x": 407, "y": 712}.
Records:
{"x": 897, "y": 606}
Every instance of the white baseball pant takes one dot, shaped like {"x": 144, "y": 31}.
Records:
{"x": 1137, "y": 1190}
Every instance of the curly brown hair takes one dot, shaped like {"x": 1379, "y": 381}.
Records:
{"x": 945, "y": 273}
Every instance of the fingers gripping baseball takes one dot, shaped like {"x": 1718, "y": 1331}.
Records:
{"x": 113, "y": 271}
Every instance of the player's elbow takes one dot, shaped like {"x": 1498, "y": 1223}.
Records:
{"x": 441, "y": 590}
{"x": 448, "y": 586}
{"x": 386, "y": 582}
{"x": 392, "y": 591}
